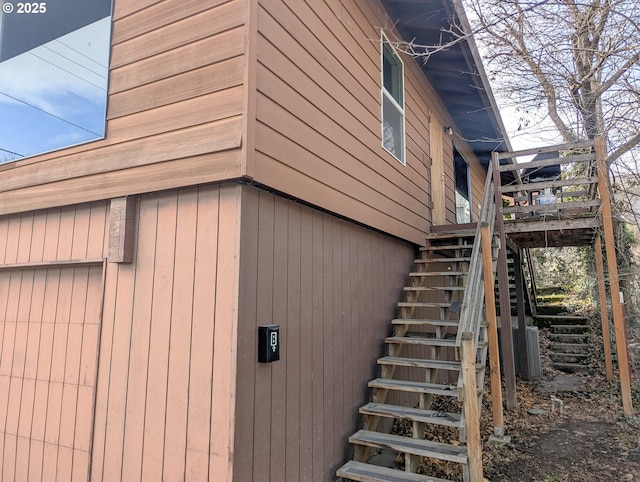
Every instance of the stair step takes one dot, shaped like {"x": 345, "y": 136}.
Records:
{"x": 570, "y": 356}
{"x": 570, "y": 367}
{"x": 422, "y": 304}
{"x": 362, "y": 472}
{"x": 569, "y": 328}
{"x": 436, "y": 417}
{"x": 446, "y": 247}
{"x": 438, "y": 273}
{"x": 453, "y": 231}
{"x": 567, "y": 337}
{"x": 415, "y": 387}
{"x": 413, "y": 446}
{"x": 415, "y": 340}
{"x": 419, "y": 363}
{"x": 434, "y": 288}
{"x": 569, "y": 347}
{"x": 442, "y": 260}
{"x": 423, "y": 322}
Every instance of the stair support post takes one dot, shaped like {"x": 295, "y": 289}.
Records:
{"x": 492, "y": 331}
{"x": 522, "y": 320}
{"x": 614, "y": 285}
{"x": 470, "y": 406}
{"x": 604, "y": 311}
{"x": 508, "y": 359}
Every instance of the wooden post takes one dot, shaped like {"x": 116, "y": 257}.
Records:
{"x": 508, "y": 362}
{"x": 604, "y": 311}
{"x": 470, "y": 403}
{"x": 492, "y": 330}
{"x": 614, "y": 285}
{"x": 522, "y": 320}
{"x": 122, "y": 229}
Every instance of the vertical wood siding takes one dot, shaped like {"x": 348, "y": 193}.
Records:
{"x": 49, "y": 332}
{"x": 174, "y": 117}
{"x": 165, "y": 397}
{"x": 332, "y": 286}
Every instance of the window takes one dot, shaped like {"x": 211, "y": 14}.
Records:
{"x": 393, "y": 139}
{"x": 463, "y": 188}
{"x": 54, "y": 60}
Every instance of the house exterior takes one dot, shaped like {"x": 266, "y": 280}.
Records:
{"x": 245, "y": 178}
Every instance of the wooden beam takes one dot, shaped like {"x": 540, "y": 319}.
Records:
{"x": 552, "y": 225}
{"x": 470, "y": 406}
{"x": 614, "y": 285}
{"x": 122, "y": 227}
{"x": 508, "y": 362}
{"x": 552, "y": 207}
{"x": 538, "y": 186}
{"x": 75, "y": 263}
{"x": 604, "y": 311}
{"x": 492, "y": 330}
{"x": 522, "y": 320}
{"x": 546, "y": 162}
{"x": 540, "y": 150}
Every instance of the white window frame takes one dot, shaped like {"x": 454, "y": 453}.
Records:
{"x": 385, "y": 94}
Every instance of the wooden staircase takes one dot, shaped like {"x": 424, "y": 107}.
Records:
{"x": 421, "y": 364}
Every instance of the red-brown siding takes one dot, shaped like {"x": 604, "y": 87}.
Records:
{"x": 332, "y": 286}
{"x": 175, "y": 110}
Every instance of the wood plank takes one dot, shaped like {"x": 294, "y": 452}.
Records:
{"x": 24, "y": 247}
{"x": 372, "y": 473}
{"x": 294, "y": 468}
{"x": 539, "y": 186}
{"x": 470, "y": 407}
{"x": 203, "y": 324}
{"x": 604, "y": 311}
{"x": 140, "y": 335}
{"x": 199, "y": 54}
{"x": 540, "y": 150}
{"x": 614, "y": 285}
{"x": 545, "y": 224}
{"x": 125, "y": 8}
{"x": 552, "y": 208}
{"x": 157, "y": 17}
{"x": 180, "y": 337}
{"x": 197, "y": 140}
{"x": 155, "y": 410}
{"x": 122, "y": 229}
{"x": 411, "y": 445}
{"x": 180, "y": 33}
{"x": 546, "y": 162}
{"x": 317, "y": 351}
{"x": 225, "y": 336}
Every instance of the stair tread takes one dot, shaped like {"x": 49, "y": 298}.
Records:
{"x": 570, "y": 326}
{"x": 413, "y": 446}
{"x": 434, "y": 288}
{"x": 446, "y": 247}
{"x": 419, "y": 362}
{"x": 415, "y": 387}
{"x": 362, "y": 472}
{"x": 423, "y": 304}
{"x": 438, "y": 273}
{"x": 442, "y": 260}
{"x": 563, "y": 317}
{"x": 424, "y": 321}
{"x": 437, "y": 417}
{"x": 569, "y": 345}
{"x": 571, "y": 355}
{"x": 414, "y": 340}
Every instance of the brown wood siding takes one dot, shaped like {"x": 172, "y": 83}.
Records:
{"x": 175, "y": 110}
{"x": 165, "y": 397}
{"x": 49, "y": 332}
{"x": 332, "y": 286}
{"x": 318, "y": 116}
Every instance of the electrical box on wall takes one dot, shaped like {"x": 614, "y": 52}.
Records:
{"x": 268, "y": 343}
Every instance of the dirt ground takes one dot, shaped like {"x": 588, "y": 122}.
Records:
{"x": 590, "y": 441}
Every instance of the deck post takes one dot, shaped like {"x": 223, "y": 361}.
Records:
{"x": 604, "y": 310}
{"x": 508, "y": 360}
{"x": 522, "y": 320}
{"x": 614, "y": 285}
{"x": 470, "y": 404}
{"x": 492, "y": 330}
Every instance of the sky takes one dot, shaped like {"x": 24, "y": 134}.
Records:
{"x": 54, "y": 95}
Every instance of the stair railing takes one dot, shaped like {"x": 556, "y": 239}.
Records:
{"x": 471, "y": 312}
